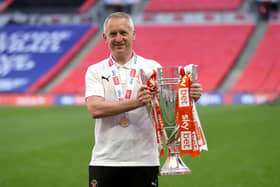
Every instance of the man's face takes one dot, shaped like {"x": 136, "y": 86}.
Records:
{"x": 119, "y": 36}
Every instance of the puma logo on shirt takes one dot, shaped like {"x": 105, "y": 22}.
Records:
{"x": 106, "y": 78}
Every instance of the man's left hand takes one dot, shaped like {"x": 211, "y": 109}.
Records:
{"x": 195, "y": 91}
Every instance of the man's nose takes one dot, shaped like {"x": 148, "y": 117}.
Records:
{"x": 118, "y": 37}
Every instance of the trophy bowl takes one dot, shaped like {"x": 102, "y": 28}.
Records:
{"x": 167, "y": 80}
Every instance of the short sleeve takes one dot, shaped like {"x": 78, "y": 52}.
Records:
{"x": 93, "y": 83}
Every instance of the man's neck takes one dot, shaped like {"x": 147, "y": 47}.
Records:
{"x": 122, "y": 59}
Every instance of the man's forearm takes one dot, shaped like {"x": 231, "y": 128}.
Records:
{"x": 99, "y": 109}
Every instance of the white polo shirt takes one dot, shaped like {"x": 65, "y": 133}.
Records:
{"x": 115, "y": 145}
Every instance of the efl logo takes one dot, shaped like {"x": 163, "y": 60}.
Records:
{"x": 132, "y": 72}
{"x": 186, "y": 140}
{"x": 116, "y": 80}
{"x": 128, "y": 94}
{"x": 151, "y": 83}
{"x": 184, "y": 97}
{"x": 111, "y": 63}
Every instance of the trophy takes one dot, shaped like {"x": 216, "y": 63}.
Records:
{"x": 181, "y": 131}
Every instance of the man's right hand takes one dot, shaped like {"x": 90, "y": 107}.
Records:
{"x": 144, "y": 96}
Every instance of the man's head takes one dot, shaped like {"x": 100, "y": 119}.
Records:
{"x": 119, "y": 33}
{"x": 119, "y": 15}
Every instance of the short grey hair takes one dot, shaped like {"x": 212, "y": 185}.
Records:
{"x": 119, "y": 15}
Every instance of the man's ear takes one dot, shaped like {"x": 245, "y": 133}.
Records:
{"x": 134, "y": 35}
{"x": 104, "y": 37}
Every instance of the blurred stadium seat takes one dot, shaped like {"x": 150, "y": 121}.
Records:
{"x": 191, "y": 5}
{"x": 213, "y": 47}
{"x": 262, "y": 72}
{"x": 5, "y": 4}
{"x": 209, "y": 33}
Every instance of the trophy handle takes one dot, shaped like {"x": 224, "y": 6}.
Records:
{"x": 194, "y": 73}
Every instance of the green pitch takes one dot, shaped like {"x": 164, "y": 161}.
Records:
{"x": 51, "y": 147}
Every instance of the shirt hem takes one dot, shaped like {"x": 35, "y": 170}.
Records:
{"x": 123, "y": 164}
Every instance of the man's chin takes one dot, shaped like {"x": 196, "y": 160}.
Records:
{"x": 119, "y": 51}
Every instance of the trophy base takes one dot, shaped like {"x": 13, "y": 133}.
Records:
{"x": 174, "y": 164}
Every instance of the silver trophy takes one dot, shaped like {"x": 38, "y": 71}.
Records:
{"x": 168, "y": 79}
{"x": 166, "y": 113}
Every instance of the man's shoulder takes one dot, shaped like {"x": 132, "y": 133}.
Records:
{"x": 148, "y": 62}
{"x": 101, "y": 65}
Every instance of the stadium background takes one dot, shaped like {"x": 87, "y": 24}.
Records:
{"x": 46, "y": 134}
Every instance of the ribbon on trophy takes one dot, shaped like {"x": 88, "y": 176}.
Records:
{"x": 192, "y": 139}
{"x": 189, "y": 134}
{"x": 200, "y": 134}
{"x": 174, "y": 114}
{"x": 156, "y": 112}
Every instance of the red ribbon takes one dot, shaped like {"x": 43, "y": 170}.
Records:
{"x": 190, "y": 134}
{"x": 185, "y": 118}
{"x": 156, "y": 112}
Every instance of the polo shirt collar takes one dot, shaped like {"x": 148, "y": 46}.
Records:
{"x": 127, "y": 65}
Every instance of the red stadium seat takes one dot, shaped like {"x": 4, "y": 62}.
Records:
{"x": 191, "y": 5}
{"x": 74, "y": 82}
{"x": 178, "y": 17}
{"x": 213, "y": 47}
{"x": 262, "y": 72}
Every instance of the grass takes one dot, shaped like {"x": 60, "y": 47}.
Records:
{"x": 48, "y": 146}
{"x": 51, "y": 147}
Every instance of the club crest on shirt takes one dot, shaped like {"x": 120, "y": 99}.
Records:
{"x": 93, "y": 183}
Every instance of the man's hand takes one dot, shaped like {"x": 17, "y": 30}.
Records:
{"x": 195, "y": 91}
{"x": 144, "y": 96}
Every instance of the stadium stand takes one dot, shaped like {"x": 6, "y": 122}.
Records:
{"x": 30, "y": 56}
{"x": 5, "y": 4}
{"x": 191, "y": 5}
{"x": 213, "y": 47}
{"x": 86, "y": 6}
{"x": 262, "y": 72}
{"x": 46, "y": 4}
{"x": 73, "y": 83}
{"x": 209, "y": 33}
{"x": 63, "y": 61}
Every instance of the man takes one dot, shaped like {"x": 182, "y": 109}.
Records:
{"x": 125, "y": 151}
